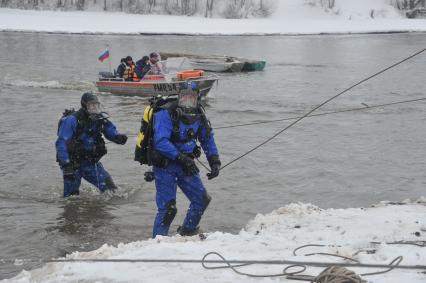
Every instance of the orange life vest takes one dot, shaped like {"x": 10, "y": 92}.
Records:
{"x": 129, "y": 73}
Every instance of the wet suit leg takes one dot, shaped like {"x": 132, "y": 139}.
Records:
{"x": 96, "y": 174}
{"x": 194, "y": 190}
{"x": 165, "y": 184}
{"x": 72, "y": 187}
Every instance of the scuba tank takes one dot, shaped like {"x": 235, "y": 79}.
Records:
{"x": 144, "y": 150}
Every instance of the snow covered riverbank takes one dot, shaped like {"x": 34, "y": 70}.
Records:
{"x": 291, "y": 22}
{"x": 347, "y": 232}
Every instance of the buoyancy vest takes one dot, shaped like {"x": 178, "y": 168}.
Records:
{"x": 144, "y": 151}
{"x": 129, "y": 73}
{"x": 75, "y": 146}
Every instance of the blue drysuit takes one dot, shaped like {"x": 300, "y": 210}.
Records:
{"x": 89, "y": 169}
{"x": 167, "y": 179}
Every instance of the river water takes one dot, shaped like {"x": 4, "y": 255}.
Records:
{"x": 344, "y": 160}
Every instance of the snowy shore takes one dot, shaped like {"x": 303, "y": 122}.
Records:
{"x": 347, "y": 232}
{"x": 120, "y": 23}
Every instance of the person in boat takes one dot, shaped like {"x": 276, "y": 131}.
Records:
{"x": 126, "y": 69}
{"x": 80, "y": 146}
{"x": 142, "y": 67}
{"x": 178, "y": 126}
{"x": 154, "y": 64}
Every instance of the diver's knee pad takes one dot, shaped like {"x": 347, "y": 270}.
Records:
{"x": 206, "y": 199}
{"x": 171, "y": 211}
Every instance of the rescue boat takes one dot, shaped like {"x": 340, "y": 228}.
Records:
{"x": 168, "y": 83}
{"x": 219, "y": 63}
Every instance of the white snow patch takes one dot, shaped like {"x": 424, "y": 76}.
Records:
{"x": 291, "y": 18}
{"x": 274, "y": 236}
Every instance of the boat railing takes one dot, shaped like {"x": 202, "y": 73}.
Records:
{"x": 104, "y": 77}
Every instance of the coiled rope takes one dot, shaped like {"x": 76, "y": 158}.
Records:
{"x": 335, "y": 274}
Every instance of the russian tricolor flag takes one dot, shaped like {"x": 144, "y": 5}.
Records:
{"x": 104, "y": 55}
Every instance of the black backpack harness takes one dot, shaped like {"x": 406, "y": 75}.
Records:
{"x": 145, "y": 154}
{"x": 75, "y": 146}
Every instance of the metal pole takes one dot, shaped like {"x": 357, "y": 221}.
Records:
{"x": 109, "y": 59}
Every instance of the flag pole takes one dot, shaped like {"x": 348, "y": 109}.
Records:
{"x": 109, "y": 59}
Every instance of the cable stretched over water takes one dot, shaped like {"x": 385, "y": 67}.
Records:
{"x": 320, "y": 105}
{"x": 366, "y": 107}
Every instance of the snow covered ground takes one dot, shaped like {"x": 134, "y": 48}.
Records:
{"x": 290, "y": 17}
{"x": 347, "y": 232}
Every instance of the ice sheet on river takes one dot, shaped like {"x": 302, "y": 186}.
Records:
{"x": 348, "y": 232}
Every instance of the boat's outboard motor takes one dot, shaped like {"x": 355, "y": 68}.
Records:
{"x": 106, "y": 75}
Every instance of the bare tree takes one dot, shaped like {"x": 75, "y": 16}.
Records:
{"x": 209, "y": 8}
{"x": 4, "y": 3}
{"x": 409, "y": 4}
{"x": 328, "y": 3}
{"x": 184, "y": 7}
{"x": 419, "y": 3}
{"x": 80, "y": 5}
{"x": 151, "y": 4}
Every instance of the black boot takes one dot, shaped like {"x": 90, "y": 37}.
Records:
{"x": 185, "y": 232}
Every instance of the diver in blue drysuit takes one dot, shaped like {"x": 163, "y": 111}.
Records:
{"x": 80, "y": 146}
{"x": 176, "y": 131}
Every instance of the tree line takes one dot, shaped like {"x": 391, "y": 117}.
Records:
{"x": 206, "y": 8}
{"x": 399, "y": 4}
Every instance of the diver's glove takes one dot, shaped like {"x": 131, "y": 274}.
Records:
{"x": 120, "y": 139}
{"x": 149, "y": 176}
{"x": 188, "y": 164}
{"x": 215, "y": 164}
{"x": 68, "y": 172}
{"x": 197, "y": 151}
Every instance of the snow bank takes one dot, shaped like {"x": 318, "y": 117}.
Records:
{"x": 289, "y": 19}
{"x": 348, "y": 232}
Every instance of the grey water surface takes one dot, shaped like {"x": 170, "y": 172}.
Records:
{"x": 343, "y": 160}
